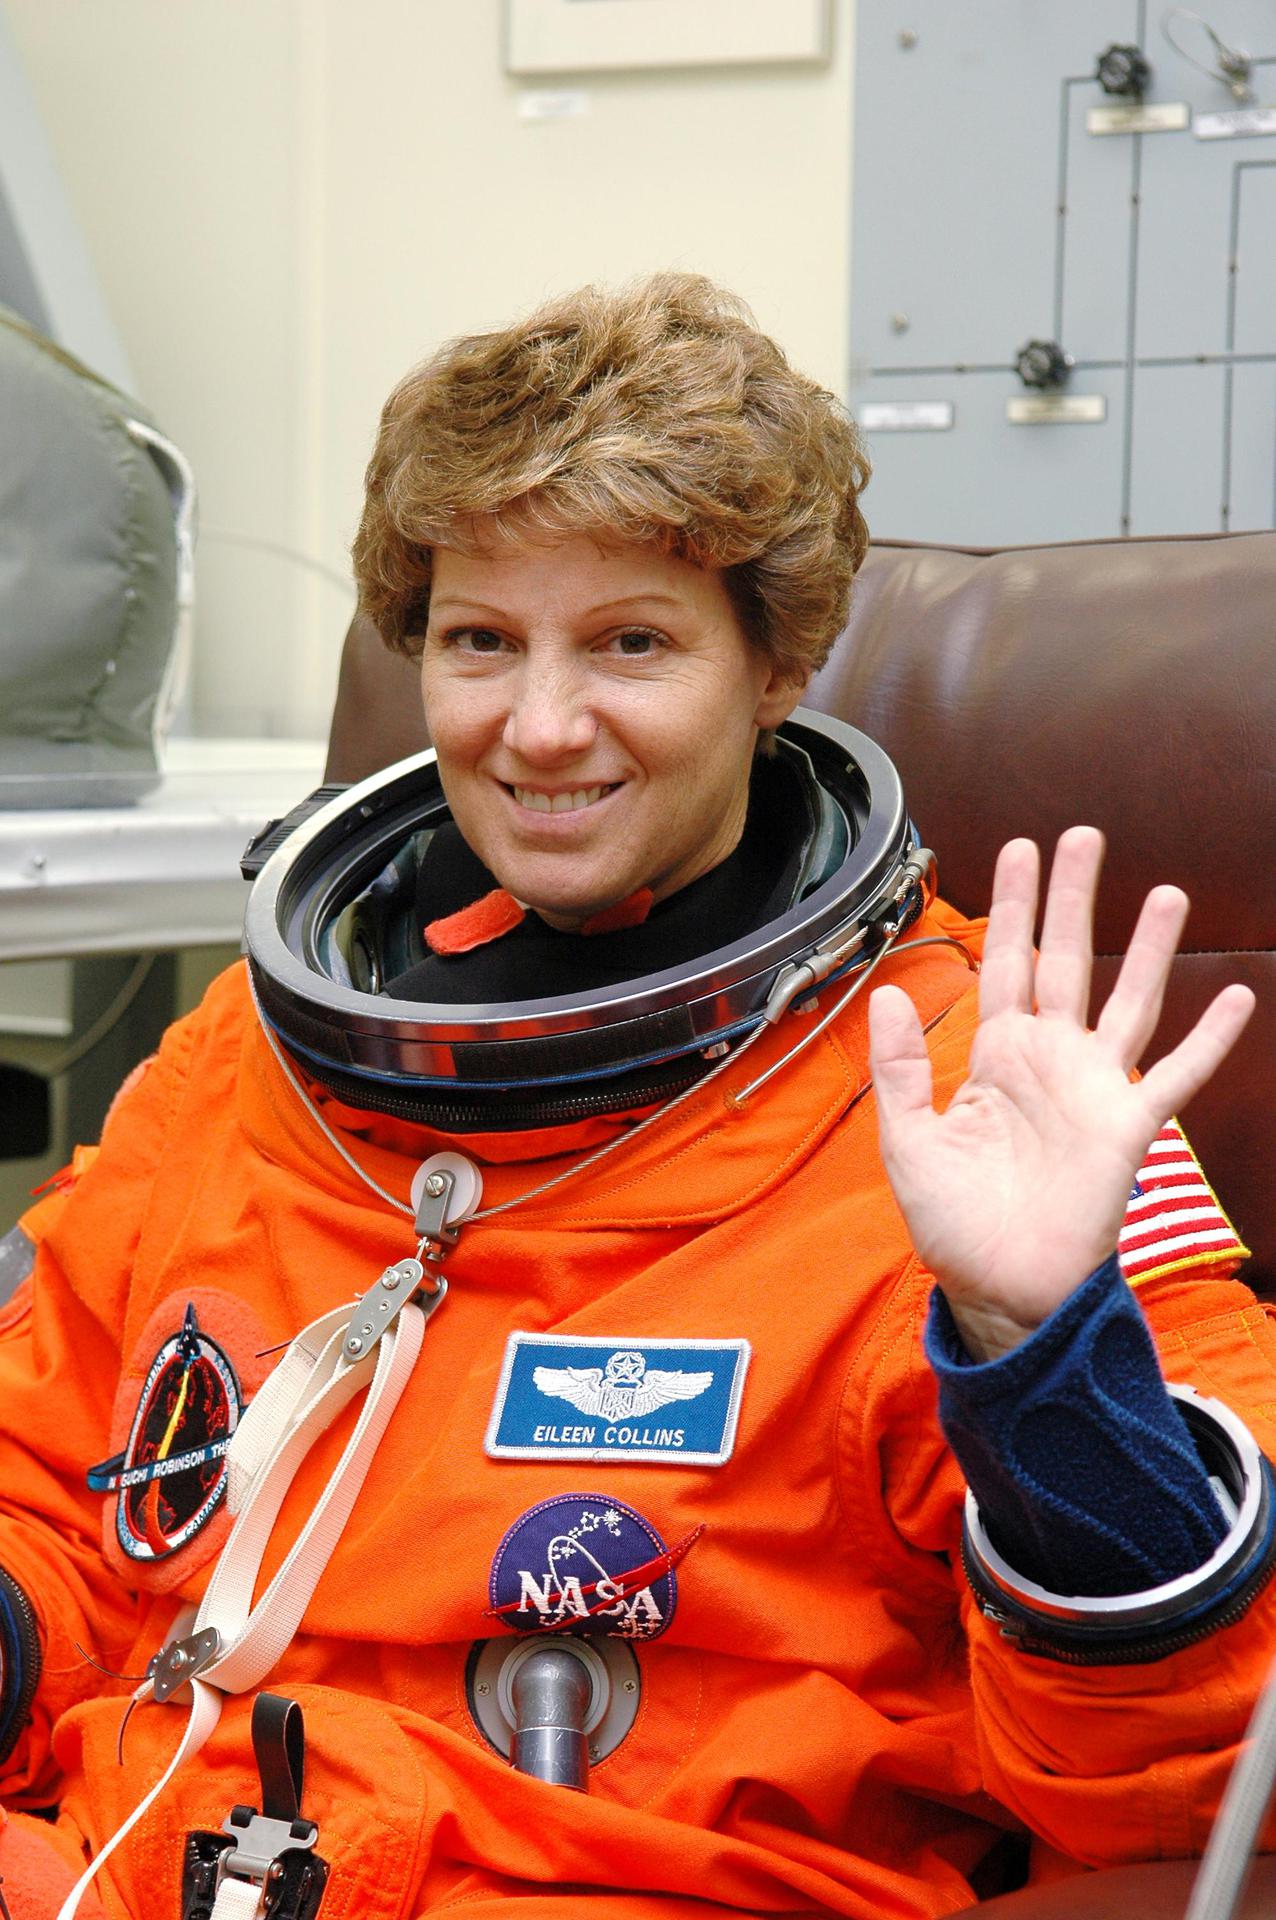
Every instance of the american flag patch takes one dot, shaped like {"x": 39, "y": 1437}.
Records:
{"x": 1173, "y": 1219}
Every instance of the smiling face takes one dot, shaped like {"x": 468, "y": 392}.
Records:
{"x": 595, "y": 708}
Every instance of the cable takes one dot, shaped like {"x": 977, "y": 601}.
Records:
{"x": 1229, "y": 1855}
{"x": 621, "y": 1139}
{"x": 485, "y": 1213}
{"x": 221, "y": 537}
{"x": 1234, "y": 64}
{"x": 109, "y": 1018}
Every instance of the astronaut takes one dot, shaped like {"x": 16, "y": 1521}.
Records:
{"x": 605, "y": 1246}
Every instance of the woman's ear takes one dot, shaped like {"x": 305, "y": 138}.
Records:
{"x": 780, "y": 695}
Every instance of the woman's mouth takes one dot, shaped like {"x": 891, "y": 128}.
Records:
{"x": 572, "y": 800}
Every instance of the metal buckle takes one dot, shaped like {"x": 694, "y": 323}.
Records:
{"x": 181, "y": 1660}
{"x": 381, "y": 1305}
{"x": 259, "y": 1844}
{"x": 292, "y": 1886}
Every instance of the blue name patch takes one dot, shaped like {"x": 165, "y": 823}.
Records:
{"x": 566, "y": 1398}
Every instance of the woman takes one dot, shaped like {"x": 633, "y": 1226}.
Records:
{"x": 672, "y": 1407}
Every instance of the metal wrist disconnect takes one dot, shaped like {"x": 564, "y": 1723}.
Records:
{"x": 1133, "y": 1627}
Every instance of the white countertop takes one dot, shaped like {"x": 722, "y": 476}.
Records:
{"x": 161, "y": 874}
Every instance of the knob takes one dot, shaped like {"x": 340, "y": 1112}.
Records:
{"x": 1123, "y": 71}
{"x": 1042, "y": 364}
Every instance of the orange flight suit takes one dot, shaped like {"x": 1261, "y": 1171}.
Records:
{"x": 826, "y": 1723}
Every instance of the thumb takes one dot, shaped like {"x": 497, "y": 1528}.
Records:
{"x": 897, "y": 1056}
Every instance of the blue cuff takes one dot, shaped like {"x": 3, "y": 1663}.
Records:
{"x": 1085, "y": 1474}
{"x": 19, "y": 1662}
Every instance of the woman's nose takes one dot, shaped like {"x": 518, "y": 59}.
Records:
{"x": 550, "y": 718}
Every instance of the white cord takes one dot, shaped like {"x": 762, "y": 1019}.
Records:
{"x": 1234, "y": 64}
{"x": 1229, "y": 1854}
{"x": 401, "y": 1206}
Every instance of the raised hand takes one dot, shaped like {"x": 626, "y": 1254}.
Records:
{"x": 1018, "y": 1189}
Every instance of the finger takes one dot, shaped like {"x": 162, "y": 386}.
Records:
{"x": 1063, "y": 965}
{"x": 1170, "y": 1084}
{"x": 898, "y": 1060}
{"x": 1133, "y": 1008}
{"x": 1005, "y": 971}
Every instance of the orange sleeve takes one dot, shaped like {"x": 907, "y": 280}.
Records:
{"x": 1108, "y": 1763}
{"x": 1118, "y": 1763}
{"x": 60, "y": 1341}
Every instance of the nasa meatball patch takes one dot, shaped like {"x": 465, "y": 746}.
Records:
{"x": 653, "y": 1401}
{"x": 585, "y": 1561}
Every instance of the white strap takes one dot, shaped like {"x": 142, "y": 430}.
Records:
{"x": 228, "y": 1596}
{"x": 206, "y": 1706}
{"x": 238, "y": 1900}
{"x": 305, "y": 1402}
{"x": 270, "y": 1412}
{"x": 253, "y": 1637}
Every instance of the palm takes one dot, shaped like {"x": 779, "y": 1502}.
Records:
{"x": 1017, "y": 1190}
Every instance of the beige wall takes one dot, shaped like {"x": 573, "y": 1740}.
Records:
{"x": 289, "y": 201}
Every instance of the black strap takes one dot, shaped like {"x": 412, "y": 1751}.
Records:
{"x": 275, "y": 832}
{"x": 279, "y": 1747}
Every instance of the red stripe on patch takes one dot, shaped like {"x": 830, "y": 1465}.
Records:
{"x": 1174, "y": 1218}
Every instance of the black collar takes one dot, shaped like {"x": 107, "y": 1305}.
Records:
{"x": 754, "y": 884}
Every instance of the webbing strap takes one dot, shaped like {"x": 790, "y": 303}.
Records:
{"x": 252, "y": 1637}
{"x": 238, "y": 1900}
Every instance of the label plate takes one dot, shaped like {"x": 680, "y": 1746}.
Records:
{"x": 1056, "y": 409}
{"x": 906, "y": 416}
{"x": 1172, "y": 116}
{"x": 617, "y": 1398}
{"x": 1243, "y": 123}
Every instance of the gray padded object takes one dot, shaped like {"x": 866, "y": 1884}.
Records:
{"x": 88, "y": 582}
{"x": 17, "y": 1260}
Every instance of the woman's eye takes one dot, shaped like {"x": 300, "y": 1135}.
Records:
{"x": 635, "y": 642}
{"x": 477, "y": 640}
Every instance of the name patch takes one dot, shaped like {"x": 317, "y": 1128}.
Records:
{"x": 566, "y": 1398}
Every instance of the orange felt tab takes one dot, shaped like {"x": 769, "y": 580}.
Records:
{"x": 36, "y": 1872}
{"x": 487, "y": 919}
{"x": 626, "y": 913}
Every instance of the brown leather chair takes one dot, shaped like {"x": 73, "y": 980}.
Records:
{"x": 1159, "y": 1890}
{"x": 1130, "y": 684}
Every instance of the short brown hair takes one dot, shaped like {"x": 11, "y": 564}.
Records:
{"x": 655, "y": 413}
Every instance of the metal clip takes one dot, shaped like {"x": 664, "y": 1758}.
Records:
{"x": 446, "y": 1190}
{"x": 917, "y": 871}
{"x": 796, "y": 981}
{"x": 432, "y": 1211}
{"x": 800, "y": 976}
{"x": 260, "y": 1844}
{"x": 182, "y": 1660}
{"x": 382, "y": 1304}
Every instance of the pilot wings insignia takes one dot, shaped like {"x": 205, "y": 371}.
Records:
{"x": 622, "y": 1390}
